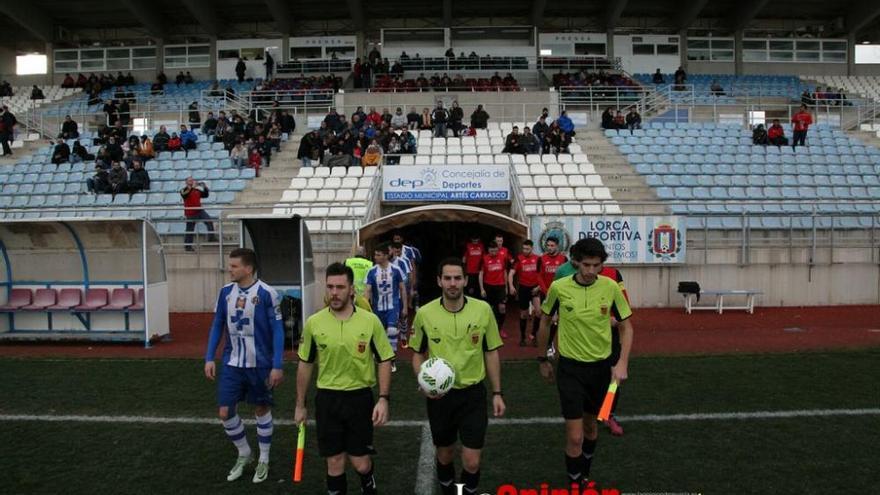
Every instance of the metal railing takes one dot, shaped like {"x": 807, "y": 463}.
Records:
{"x": 305, "y": 100}
{"x": 315, "y": 65}
{"x": 596, "y": 97}
{"x": 498, "y": 112}
{"x": 508, "y": 63}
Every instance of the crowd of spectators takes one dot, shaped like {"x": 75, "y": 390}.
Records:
{"x": 437, "y": 82}
{"x": 825, "y": 96}
{"x": 598, "y": 79}
{"x": 545, "y": 136}
{"x": 613, "y": 119}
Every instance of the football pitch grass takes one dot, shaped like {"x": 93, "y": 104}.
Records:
{"x": 682, "y": 434}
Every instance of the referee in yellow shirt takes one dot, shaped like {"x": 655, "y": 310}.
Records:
{"x": 586, "y": 303}
{"x": 463, "y": 331}
{"x": 346, "y": 343}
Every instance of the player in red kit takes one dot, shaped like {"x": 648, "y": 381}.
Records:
{"x": 550, "y": 261}
{"x": 493, "y": 283}
{"x": 526, "y": 289}
{"x": 472, "y": 259}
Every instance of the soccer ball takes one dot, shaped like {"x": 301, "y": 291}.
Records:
{"x": 436, "y": 377}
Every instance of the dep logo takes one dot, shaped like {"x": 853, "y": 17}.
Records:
{"x": 427, "y": 179}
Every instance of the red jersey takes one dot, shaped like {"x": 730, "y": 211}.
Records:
{"x": 549, "y": 264}
{"x": 192, "y": 201}
{"x": 473, "y": 255}
{"x": 526, "y": 268}
{"x": 775, "y": 131}
{"x": 802, "y": 121}
{"x": 505, "y": 253}
{"x": 494, "y": 270}
{"x": 614, "y": 274}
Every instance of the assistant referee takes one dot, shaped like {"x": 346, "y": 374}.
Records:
{"x": 462, "y": 330}
{"x": 586, "y": 303}
{"x": 347, "y": 342}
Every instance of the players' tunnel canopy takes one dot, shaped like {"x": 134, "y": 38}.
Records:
{"x": 443, "y": 214}
{"x": 441, "y": 231}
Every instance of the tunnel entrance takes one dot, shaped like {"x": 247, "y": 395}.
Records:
{"x": 439, "y": 231}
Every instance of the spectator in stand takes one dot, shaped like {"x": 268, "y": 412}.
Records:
{"x": 103, "y": 159}
{"x": 61, "y": 153}
{"x": 139, "y": 179}
{"x": 393, "y": 151}
{"x": 413, "y": 119}
{"x": 422, "y": 82}
{"x": 5, "y": 89}
{"x": 68, "y": 82}
{"x": 100, "y": 182}
{"x": 80, "y": 154}
{"x": 540, "y": 128}
{"x": 69, "y": 128}
{"x": 274, "y": 137}
{"x": 125, "y": 113}
{"x": 680, "y": 78}
{"x": 776, "y": 134}
{"x": 373, "y": 155}
{"x": 374, "y": 117}
{"x": 407, "y": 143}
{"x": 332, "y": 120}
{"x": 513, "y": 143}
{"x": 161, "y": 139}
{"x": 188, "y": 138}
{"x": 112, "y": 112}
{"x": 807, "y": 98}
{"x": 633, "y": 120}
{"x": 270, "y": 66}
{"x": 209, "y": 128}
{"x": 386, "y": 117}
{"x": 118, "y": 179}
{"x": 715, "y": 89}
{"x": 479, "y": 118}
{"x": 398, "y": 120}
{"x": 565, "y": 125}
{"x": 801, "y": 121}
{"x": 195, "y": 119}
{"x": 456, "y": 115}
{"x": 7, "y": 129}
{"x": 556, "y": 141}
{"x": 180, "y": 78}
{"x": 426, "y": 124}
{"x": 530, "y": 143}
{"x": 240, "y": 69}
{"x": 192, "y": 195}
{"x": 146, "y": 151}
{"x": 658, "y": 78}
{"x": 37, "y": 93}
{"x": 118, "y": 132}
{"x": 608, "y": 119}
{"x": 264, "y": 148}
{"x": 174, "y": 144}
{"x": 440, "y": 118}
{"x": 759, "y": 136}
{"x": 495, "y": 80}
{"x": 310, "y": 149}
{"x": 115, "y": 149}
{"x": 255, "y": 160}
{"x": 619, "y": 120}
{"x": 239, "y": 155}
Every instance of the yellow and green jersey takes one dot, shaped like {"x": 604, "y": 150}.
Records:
{"x": 360, "y": 267}
{"x": 346, "y": 350}
{"x": 460, "y": 338}
{"x": 585, "y": 313}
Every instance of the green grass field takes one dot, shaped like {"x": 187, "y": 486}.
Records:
{"x": 724, "y": 456}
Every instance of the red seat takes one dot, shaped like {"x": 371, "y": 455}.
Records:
{"x": 139, "y": 302}
{"x": 95, "y": 299}
{"x": 67, "y": 299}
{"x": 43, "y": 298}
{"x": 18, "y": 298}
{"x": 120, "y": 300}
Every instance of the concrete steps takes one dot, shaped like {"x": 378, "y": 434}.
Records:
{"x": 625, "y": 184}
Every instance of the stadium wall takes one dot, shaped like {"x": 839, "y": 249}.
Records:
{"x": 852, "y": 279}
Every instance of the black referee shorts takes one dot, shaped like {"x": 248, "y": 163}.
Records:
{"x": 460, "y": 414}
{"x": 582, "y": 386}
{"x": 345, "y": 422}
{"x": 495, "y": 294}
{"x": 524, "y": 297}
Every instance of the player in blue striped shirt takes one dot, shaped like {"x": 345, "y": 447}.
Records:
{"x": 248, "y": 316}
{"x": 385, "y": 288}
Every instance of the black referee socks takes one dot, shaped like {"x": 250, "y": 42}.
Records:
{"x": 446, "y": 477}
{"x": 589, "y": 448}
{"x": 337, "y": 485}
{"x": 575, "y": 468}
{"x": 470, "y": 480}
{"x": 368, "y": 482}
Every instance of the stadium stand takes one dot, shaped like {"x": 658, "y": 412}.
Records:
{"x": 698, "y": 87}
{"x": 830, "y": 175}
